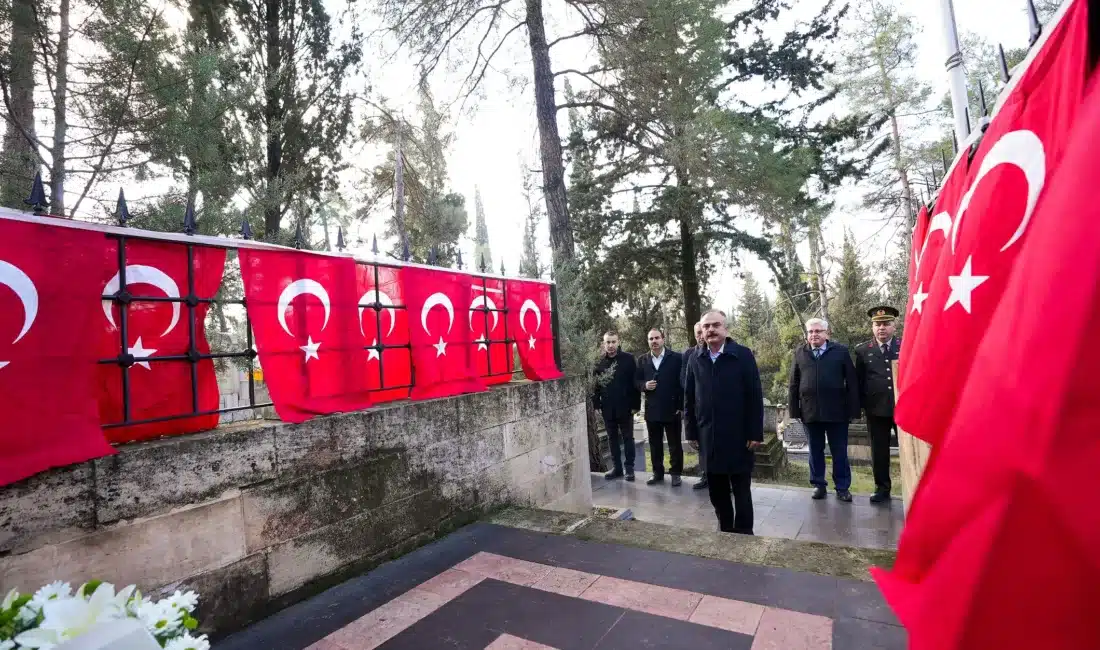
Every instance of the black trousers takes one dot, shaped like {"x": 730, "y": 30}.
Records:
{"x": 620, "y": 433}
{"x": 734, "y": 516}
{"x": 657, "y": 432}
{"x": 879, "y": 429}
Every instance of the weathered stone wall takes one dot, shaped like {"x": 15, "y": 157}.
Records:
{"x": 257, "y": 515}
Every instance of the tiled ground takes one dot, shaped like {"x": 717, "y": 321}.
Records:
{"x": 778, "y": 511}
{"x": 488, "y": 586}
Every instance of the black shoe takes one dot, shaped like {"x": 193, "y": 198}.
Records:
{"x": 844, "y": 495}
{"x": 880, "y": 496}
{"x": 676, "y": 481}
{"x": 630, "y": 477}
{"x": 819, "y": 493}
{"x": 655, "y": 480}
{"x": 613, "y": 474}
{"x": 701, "y": 484}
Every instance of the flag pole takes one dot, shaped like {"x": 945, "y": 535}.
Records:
{"x": 956, "y": 75}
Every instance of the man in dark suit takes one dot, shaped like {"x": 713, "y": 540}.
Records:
{"x": 658, "y": 378}
{"x": 824, "y": 394}
{"x": 724, "y": 402}
{"x": 617, "y": 399}
{"x": 700, "y": 342}
{"x": 876, "y": 392}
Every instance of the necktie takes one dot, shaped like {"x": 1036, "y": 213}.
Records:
{"x": 817, "y": 353}
{"x": 885, "y": 349}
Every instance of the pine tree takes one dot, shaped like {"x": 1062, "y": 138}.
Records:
{"x": 482, "y": 254}
{"x": 853, "y": 294}
{"x": 529, "y": 264}
{"x": 753, "y": 311}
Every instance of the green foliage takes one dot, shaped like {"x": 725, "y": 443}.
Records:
{"x": 482, "y": 253}
{"x": 853, "y": 295}
{"x": 529, "y": 264}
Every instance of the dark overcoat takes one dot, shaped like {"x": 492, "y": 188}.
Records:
{"x": 615, "y": 393}
{"x": 664, "y": 403}
{"x": 686, "y": 354}
{"x": 824, "y": 389}
{"x": 875, "y": 377}
{"x": 724, "y": 406}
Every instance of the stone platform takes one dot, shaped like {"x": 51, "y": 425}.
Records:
{"x": 499, "y": 587}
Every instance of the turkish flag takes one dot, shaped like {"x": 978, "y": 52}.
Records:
{"x": 1022, "y": 147}
{"x": 997, "y": 551}
{"x": 384, "y": 321}
{"x": 442, "y": 348}
{"x": 920, "y": 227}
{"x": 155, "y": 330}
{"x": 304, "y": 310}
{"x": 488, "y": 324}
{"x": 49, "y": 283}
{"x": 529, "y": 323}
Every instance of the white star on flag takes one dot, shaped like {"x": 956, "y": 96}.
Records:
{"x": 481, "y": 343}
{"x": 310, "y": 348}
{"x": 963, "y": 285}
{"x": 918, "y": 299}
{"x": 140, "y": 352}
{"x": 372, "y": 353}
{"x": 440, "y": 348}
{"x": 531, "y": 342}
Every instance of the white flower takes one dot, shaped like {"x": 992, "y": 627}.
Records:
{"x": 187, "y": 642}
{"x": 8, "y": 600}
{"x": 185, "y": 601}
{"x": 68, "y": 618}
{"x": 53, "y": 591}
{"x": 160, "y": 618}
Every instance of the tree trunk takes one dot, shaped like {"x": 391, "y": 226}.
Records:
{"x": 689, "y": 272}
{"x": 19, "y": 158}
{"x": 399, "y": 189}
{"x": 816, "y": 267}
{"x": 60, "y": 124}
{"x": 273, "y": 119}
{"x": 903, "y": 174}
{"x": 546, "y": 112}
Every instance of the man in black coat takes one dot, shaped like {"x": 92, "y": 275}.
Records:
{"x": 700, "y": 342}
{"x": 876, "y": 392}
{"x": 617, "y": 399}
{"x": 658, "y": 378}
{"x": 824, "y": 394}
{"x": 724, "y": 402}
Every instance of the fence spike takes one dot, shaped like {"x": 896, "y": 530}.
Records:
{"x": 37, "y": 200}
{"x": 189, "y": 217}
{"x": 954, "y": 145}
{"x": 339, "y": 238}
{"x": 405, "y": 254}
{"x": 298, "y": 235}
{"x": 1004, "y": 62}
{"x": 935, "y": 183}
{"x": 502, "y": 267}
{"x": 981, "y": 98}
{"x": 246, "y": 230}
{"x": 460, "y": 259}
{"x": 484, "y": 268}
{"x": 1033, "y": 20}
{"x": 122, "y": 213}
{"x": 432, "y": 256}
{"x": 374, "y": 245}
{"x": 943, "y": 157}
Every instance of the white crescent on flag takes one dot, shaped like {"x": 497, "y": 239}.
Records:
{"x": 529, "y": 305}
{"x": 298, "y": 288}
{"x": 142, "y": 274}
{"x": 486, "y": 303}
{"x": 1023, "y": 149}
{"x": 15, "y": 279}
{"x": 372, "y": 297}
{"x": 437, "y": 300}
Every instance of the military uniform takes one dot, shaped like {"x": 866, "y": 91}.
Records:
{"x": 876, "y": 393}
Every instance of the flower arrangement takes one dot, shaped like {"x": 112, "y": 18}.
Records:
{"x": 54, "y": 614}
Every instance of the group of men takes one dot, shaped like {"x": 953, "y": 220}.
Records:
{"x": 712, "y": 394}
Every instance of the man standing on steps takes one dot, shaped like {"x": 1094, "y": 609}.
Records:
{"x": 824, "y": 394}
{"x": 876, "y": 392}
{"x": 617, "y": 400}
{"x": 658, "y": 378}
{"x": 724, "y": 403}
{"x": 700, "y": 343}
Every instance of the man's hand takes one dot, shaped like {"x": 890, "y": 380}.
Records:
{"x": 679, "y": 414}
{"x": 753, "y": 444}
{"x": 634, "y": 411}
{"x": 651, "y": 384}
{"x": 694, "y": 444}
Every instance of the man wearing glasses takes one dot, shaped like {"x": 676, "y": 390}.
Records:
{"x": 824, "y": 394}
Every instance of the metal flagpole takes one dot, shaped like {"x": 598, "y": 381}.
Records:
{"x": 956, "y": 76}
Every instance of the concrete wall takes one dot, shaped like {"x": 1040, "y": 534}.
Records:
{"x": 257, "y": 515}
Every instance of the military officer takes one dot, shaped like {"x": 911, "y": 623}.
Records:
{"x": 876, "y": 392}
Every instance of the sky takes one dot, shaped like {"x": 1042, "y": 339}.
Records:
{"x": 496, "y": 134}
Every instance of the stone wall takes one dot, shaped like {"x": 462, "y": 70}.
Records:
{"x": 257, "y": 515}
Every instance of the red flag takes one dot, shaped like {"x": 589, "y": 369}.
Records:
{"x": 919, "y": 230}
{"x": 158, "y": 329}
{"x": 304, "y": 310}
{"x": 529, "y": 323}
{"x": 1021, "y": 148}
{"x": 442, "y": 347}
{"x": 384, "y": 320}
{"x": 487, "y": 324}
{"x": 997, "y": 551}
{"x": 49, "y": 283}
